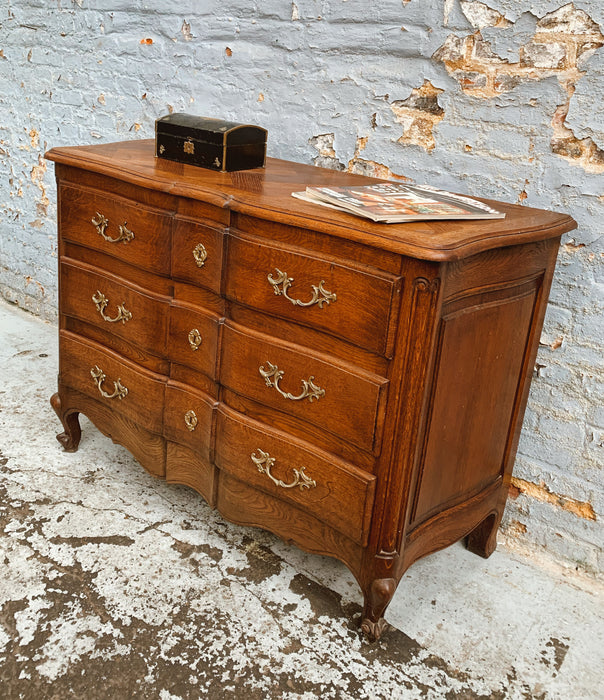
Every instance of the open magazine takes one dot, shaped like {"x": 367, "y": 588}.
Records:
{"x": 396, "y": 202}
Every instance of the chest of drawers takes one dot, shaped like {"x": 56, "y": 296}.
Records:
{"x": 357, "y": 389}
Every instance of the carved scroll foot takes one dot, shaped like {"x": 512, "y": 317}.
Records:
{"x": 373, "y": 630}
{"x": 483, "y": 539}
{"x": 377, "y": 600}
{"x": 70, "y": 439}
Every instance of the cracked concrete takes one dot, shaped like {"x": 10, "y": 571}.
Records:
{"x": 115, "y": 584}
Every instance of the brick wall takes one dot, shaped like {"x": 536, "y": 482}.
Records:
{"x": 501, "y": 100}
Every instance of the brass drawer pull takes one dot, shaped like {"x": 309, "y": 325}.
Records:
{"x": 194, "y": 339}
{"x": 101, "y": 301}
{"x": 273, "y": 375}
{"x": 101, "y": 222}
{"x": 265, "y": 463}
{"x": 320, "y": 295}
{"x": 119, "y": 391}
{"x": 191, "y": 420}
{"x": 200, "y": 254}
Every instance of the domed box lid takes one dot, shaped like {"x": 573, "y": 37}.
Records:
{"x": 216, "y": 144}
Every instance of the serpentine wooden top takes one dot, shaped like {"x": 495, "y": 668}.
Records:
{"x": 266, "y": 193}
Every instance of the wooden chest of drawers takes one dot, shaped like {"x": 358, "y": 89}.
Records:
{"x": 355, "y": 388}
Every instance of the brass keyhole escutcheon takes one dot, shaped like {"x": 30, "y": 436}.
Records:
{"x": 191, "y": 420}
{"x": 194, "y": 339}
{"x": 200, "y": 254}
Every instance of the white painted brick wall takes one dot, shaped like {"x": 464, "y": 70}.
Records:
{"x": 87, "y": 71}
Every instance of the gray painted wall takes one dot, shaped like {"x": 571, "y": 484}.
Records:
{"x": 502, "y": 101}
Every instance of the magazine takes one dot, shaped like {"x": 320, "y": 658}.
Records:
{"x": 396, "y": 202}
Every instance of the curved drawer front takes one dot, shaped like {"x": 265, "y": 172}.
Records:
{"x": 197, "y": 253}
{"x": 356, "y": 304}
{"x": 106, "y": 376}
{"x": 136, "y": 315}
{"x": 288, "y": 378}
{"x": 193, "y": 338}
{"x": 188, "y": 418}
{"x": 119, "y": 227}
{"x": 333, "y": 491}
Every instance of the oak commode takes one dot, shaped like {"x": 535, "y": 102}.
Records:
{"x": 355, "y": 388}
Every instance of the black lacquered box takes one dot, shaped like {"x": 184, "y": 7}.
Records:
{"x": 210, "y": 143}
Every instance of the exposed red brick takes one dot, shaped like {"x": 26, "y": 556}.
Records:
{"x": 568, "y": 20}
{"x": 419, "y": 113}
{"x": 557, "y": 342}
{"x": 549, "y": 56}
{"x": 560, "y": 38}
{"x": 516, "y": 528}
{"x": 582, "y": 152}
{"x": 371, "y": 168}
{"x": 541, "y": 492}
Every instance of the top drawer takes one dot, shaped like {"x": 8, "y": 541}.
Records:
{"x": 334, "y": 296}
{"x": 134, "y": 233}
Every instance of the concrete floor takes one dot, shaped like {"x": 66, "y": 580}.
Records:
{"x": 116, "y": 585}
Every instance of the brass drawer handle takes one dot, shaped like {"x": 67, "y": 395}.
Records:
{"x": 265, "y": 463}
{"x": 273, "y": 375}
{"x": 200, "y": 254}
{"x": 101, "y": 301}
{"x": 119, "y": 391}
{"x": 101, "y": 222}
{"x": 194, "y": 339}
{"x": 320, "y": 295}
{"x": 191, "y": 420}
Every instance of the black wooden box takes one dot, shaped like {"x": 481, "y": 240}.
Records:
{"x": 210, "y": 143}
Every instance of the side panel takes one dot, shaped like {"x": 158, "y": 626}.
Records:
{"x": 481, "y": 348}
{"x": 490, "y": 324}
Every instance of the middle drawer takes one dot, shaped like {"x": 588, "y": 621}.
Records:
{"x": 133, "y": 313}
{"x": 336, "y": 397}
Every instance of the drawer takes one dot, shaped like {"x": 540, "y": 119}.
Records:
{"x": 197, "y": 253}
{"x": 193, "y": 338}
{"x": 130, "y": 312}
{"x": 337, "y": 398}
{"x": 133, "y": 232}
{"x": 188, "y": 418}
{"x": 359, "y": 304}
{"x": 335, "y": 492}
{"x": 107, "y": 377}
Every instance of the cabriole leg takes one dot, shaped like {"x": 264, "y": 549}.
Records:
{"x": 377, "y": 599}
{"x": 483, "y": 539}
{"x": 70, "y": 439}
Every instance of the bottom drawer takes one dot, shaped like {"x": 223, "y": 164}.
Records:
{"x": 188, "y": 418}
{"x": 106, "y": 376}
{"x": 335, "y": 492}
